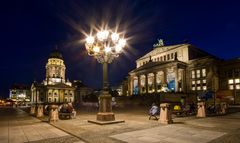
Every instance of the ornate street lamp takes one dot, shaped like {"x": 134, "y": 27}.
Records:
{"x": 105, "y": 46}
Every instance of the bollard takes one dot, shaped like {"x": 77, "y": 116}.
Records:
{"x": 165, "y": 114}
{"x": 74, "y": 114}
{"x": 53, "y": 114}
{"x": 201, "y": 110}
{"x": 39, "y": 111}
{"x": 33, "y": 109}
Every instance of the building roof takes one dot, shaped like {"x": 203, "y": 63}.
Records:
{"x": 161, "y": 49}
{"x": 59, "y": 85}
{"x": 56, "y": 54}
{"x": 153, "y": 64}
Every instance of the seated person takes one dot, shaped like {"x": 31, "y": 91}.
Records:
{"x": 154, "y": 111}
{"x": 64, "y": 108}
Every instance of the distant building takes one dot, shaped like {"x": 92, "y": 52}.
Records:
{"x": 20, "y": 92}
{"x": 81, "y": 90}
{"x": 183, "y": 68}
{"x": 55, "y": 87}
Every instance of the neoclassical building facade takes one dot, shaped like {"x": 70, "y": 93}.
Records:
{"x": 182, "y": 68}
{"x": 55, "y": 88}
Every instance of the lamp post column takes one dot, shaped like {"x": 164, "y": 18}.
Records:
{"x": 105, "y": 99}
{"x": 105, "y": 76}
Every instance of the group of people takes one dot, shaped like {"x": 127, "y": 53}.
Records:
{"x": 187, "y": 109}
{"x": 63, "y": 108}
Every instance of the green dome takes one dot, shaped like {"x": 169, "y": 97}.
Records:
{"x": 56, "y": 54}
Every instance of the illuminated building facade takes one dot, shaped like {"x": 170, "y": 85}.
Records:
{"x": 55, "y": 88}
{"x": 19, "y": 92}
{"x": 182, "y": 68}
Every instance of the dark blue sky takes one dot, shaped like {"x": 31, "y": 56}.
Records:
{"x": 30, "y": 29}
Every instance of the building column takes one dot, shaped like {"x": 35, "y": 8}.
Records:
{"x": 32, "y": 96}
{"x": 146, "y": 82}
{"x": 155, "y": 82}
{"x": 129, "y": 86}
{"x": 37, "y": 96}
{"x": 165, "y": 76}
{"x": 53, "y": 96}
{"x": 59, "y": 95}
{"x": 139, "y": 84}
{"x": 184, "y": 81}
{"x": 176, "y": 79}
{"x": 68, "y": 97}
{"x": 46, "y": 96}
{"x": 63, "y": 97}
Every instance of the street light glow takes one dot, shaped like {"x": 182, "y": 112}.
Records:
{"x": 90, "y": 40}
{"x": 102, "y": 35}
{"x": 105, "y": 45}
{"x": 107, "y": 49}
{"x": 122, "y": 42}
{"x": 118, "y": 48}
{"x": 96, "y": 49}
{"x": 115, "y": 37}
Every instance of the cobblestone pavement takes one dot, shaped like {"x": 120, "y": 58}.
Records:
{"x": 16, "y": 126}
{"x": 136, "y": 129}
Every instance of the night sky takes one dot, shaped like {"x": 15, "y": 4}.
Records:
{"x": 30, "y": 29}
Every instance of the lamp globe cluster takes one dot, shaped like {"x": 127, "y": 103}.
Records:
{"x": 105, "y": 45}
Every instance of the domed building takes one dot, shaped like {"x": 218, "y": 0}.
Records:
{"x": 55, "y": 88}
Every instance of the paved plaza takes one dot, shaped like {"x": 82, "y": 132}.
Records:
{"x": 17, "y": 126}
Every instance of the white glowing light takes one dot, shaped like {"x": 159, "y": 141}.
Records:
{"x": 107, "y": 49}
{"x": 102, "y": 35}
{"x": 118, "y": 48}
{"x": 115, "y": 37}
{"x": 90, "y": 40}
{"x": 96, "y": 49}
{"x": 122, "y": 42}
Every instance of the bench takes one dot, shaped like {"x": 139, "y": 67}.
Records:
{"x": 66, "y": 115}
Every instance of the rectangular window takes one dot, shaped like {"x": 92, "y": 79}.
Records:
{"x": 204, "y": 81}
{"x": 193, "y": 88}
{"x": 230, "y": 81}
{"x": 198, "y": 73}
{"x": 161, "y": 58}
{"x": 199, "y": 88}
{"x": 158, "y": 59}
{"x": 203, "y": 72}
{"x": 164, "y": 57}
{"x": 172, "y": 56}
{"x": 238, "y": 86}
{"x": 193, "y": 82}
{"x": 198, "y": 82}
{"x": 204, "y": 87}
{"x": 168, "y": 57}
{"x": 231, "y": 87}
{"x": 193, "y": 74}
{"x": 237, "y": 80}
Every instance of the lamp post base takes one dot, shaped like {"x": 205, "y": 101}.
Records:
{"x": 105, "y": 116}
{"x": 105, "y": 107}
